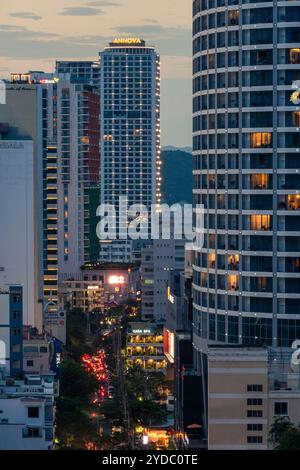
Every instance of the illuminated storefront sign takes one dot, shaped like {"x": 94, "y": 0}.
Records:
{"x": 127, "y": 41}
{"x": 140, "y": 331}
{"x": 46, "y": 81}
{"x": 169, "y": 345}
{"x": 115, "y": 280}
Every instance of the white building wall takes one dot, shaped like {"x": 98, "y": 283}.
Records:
{"x": 17, "y": 213}
{"x": 163, "y": 256}
{"x": 14, "y": 420}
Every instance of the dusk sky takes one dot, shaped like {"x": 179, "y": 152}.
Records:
{"x": 34, "y": 33}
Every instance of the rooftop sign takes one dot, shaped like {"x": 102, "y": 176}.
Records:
{"x": 128, "y": 42}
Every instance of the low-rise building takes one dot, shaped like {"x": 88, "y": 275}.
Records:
{"x": 145, "y": 347}
{"x": 41, "y": 353}
{"x": 158, "y": 260}
{"x": 247, "y": 389}
{"x": 99, "y": 285}
{"x": 27, "y": 412}
{"x": 11, "y": 322}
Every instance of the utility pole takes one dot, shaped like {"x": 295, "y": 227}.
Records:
{"x": 122, "y": 389}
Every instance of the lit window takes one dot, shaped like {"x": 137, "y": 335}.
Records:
{"x": 212, "y": 260}
{"x": 233, "y": 17}
{"x": 296, "y": 118}
{"x": 260, "y": 181}
{"x": 293, "y": 202}
{"x": 262, "y": 284}
{"x": 233, "y": 261}
{"x": 261, "y": 139}
{"x": 294, "y": 55}
{"x": 233, "y": 282}
{"x": 260, "y": 222}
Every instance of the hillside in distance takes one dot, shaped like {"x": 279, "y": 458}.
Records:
{"x": 176, "y": 176}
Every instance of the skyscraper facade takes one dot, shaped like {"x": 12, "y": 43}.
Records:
{"x": 246, "y": 141}
{"x": 81, "y": 71}
{"x": 64, "y": 125}
{"x": 73, "y": 126}
{"x": 130, "y": 128}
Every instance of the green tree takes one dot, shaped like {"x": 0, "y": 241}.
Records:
{"x": 146, "y": 412}
{"x": 75, "y": 381}
{"x": 285, "y": 435}
{"x": 74, "y": 429}
{"x": 76, "y": 334}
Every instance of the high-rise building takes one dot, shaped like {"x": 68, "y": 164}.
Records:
{"x": 63, "y": 123}
{"x": 24, "y": 112}
{"x": 130, "y": 130}
{"x": 50, "y": 258}
{"x": 81, "y": 71}
{"x": 78, "y": 136}
{"x": 73, "y": 134}
{"x": 18, "y": 257}
{"x": 246, "y": 143}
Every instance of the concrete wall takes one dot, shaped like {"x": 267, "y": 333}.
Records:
{"x": 17, "y": 231}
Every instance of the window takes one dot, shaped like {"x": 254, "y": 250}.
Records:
{"x": 33, "y": 412}
{"x": 261, "y": 139}
{"x": 32, "y": 432}
{"x": 29, "y": 363}
{"x": 254, "y": 439}
{"x": 233, "y": 17}
{"x": 294, "y": 56}
{"x": 280, "y": 408}
{"x": 233, "y": 282}
{"x": 293, "y": 202}
{"x": 260, "y": 222}
{"x": 296, "y": 118}
{"x": 254, "y": 401}
{"x": 260, "y": 181}
{"x": 16, "y": 315}
{"x": 254, "y": 414}
{"x": 254, "y": 427}
{"x": 16, "y": 348}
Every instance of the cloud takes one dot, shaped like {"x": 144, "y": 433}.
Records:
{"x": 21, "y": 33}
{"x": 25, "y": 15}
{"x": 21, "y": 43}
{"x": 103, "y": 3}
{"x": 149, "y": 20}
{"x": 81, "y": 11}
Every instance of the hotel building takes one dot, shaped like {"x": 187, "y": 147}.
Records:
{"x": 130, "y": 128}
